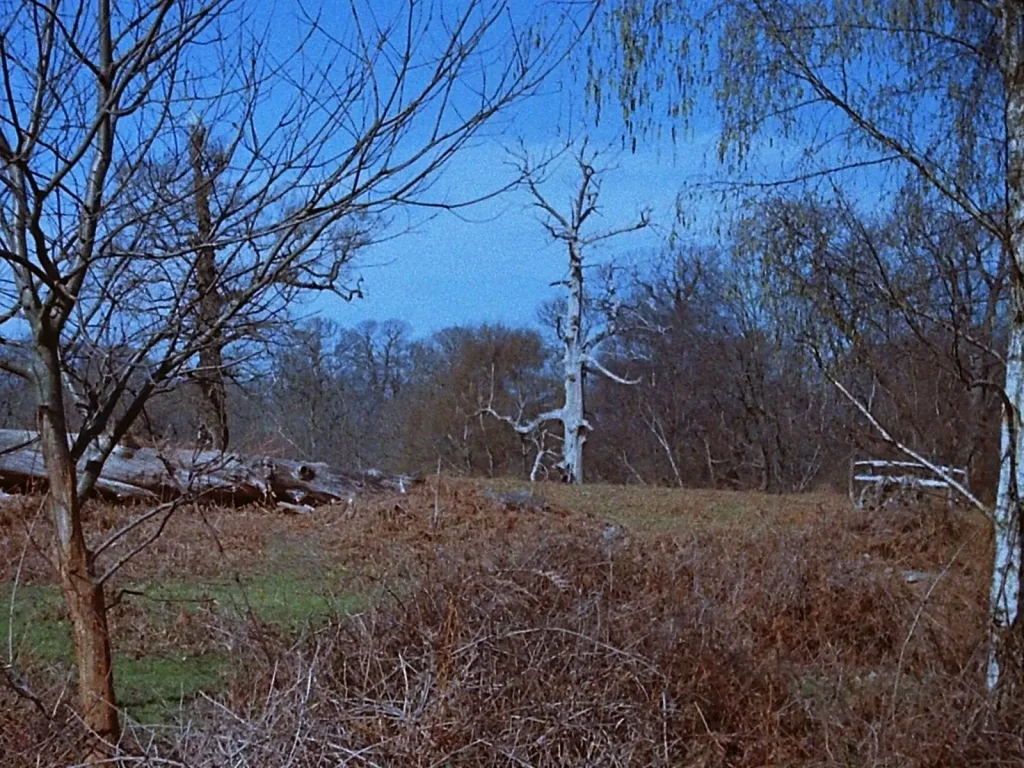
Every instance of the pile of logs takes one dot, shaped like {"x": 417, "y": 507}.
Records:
{"x": 226, "y": 478}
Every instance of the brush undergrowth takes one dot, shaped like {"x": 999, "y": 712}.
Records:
{"x": 547, "y": 638}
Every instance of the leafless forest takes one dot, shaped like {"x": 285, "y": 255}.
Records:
{"x": 238, "y": 530}
{"x": 726, "y": 397}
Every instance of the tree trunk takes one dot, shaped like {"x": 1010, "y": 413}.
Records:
{"x": 574, "y": 423}
{"x": 712, "y": 479}
{"x": 1004, "y": 669}
{"x": 1004, "y": 598}
{"x": 538, "y": 464}
{"x": 213, "y": 410}
{"x": 87, "y": 606}
{"x": 85, "y": 599}
{"x": 657, "y": 428}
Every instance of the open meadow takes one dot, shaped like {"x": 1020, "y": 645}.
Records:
{"x": 592, "y": 625}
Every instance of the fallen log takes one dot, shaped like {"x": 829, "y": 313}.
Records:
{"x": 228, "y": 478}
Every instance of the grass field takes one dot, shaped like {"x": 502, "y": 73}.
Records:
{"x": 656, "y": 509}
{"x": 708, "y": 628}
{"x": 166, "y": 647}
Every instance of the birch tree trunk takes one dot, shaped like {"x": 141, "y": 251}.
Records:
{"x": 1004, "y": 664}
{"x": 1004, "y": 596}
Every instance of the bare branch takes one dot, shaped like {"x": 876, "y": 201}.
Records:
{"x": 886, "y": 435}
{"x": 592, "y": 363}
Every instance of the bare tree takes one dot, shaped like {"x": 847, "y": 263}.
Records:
{"x": 727, "y": 396}
{"x": 580, "y": 344}
{"x": 456, "y": 369}
{"x": 905, "y": 306}
{"x": 210, "y": 372}
{"x": 100, "y": 265}
{"x": 303, "y": 402}
{"x": 375, "y": 363}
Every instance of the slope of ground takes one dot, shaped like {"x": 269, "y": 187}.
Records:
{"x": 593, "y": 626}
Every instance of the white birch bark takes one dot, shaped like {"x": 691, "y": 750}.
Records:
{"x": 538, "y": 463}
{"x": 1004, "y": 595}
{"x": 1004, "y": 592}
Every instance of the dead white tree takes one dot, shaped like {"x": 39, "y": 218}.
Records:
{"x": 99, "y": 240}
{"x": 580, "y": 343}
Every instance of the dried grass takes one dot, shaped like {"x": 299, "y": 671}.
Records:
{"x": 548, "y": 638}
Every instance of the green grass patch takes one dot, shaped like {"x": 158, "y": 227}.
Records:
{"x": 36, "y": 628}
{"x": 727, "y": 511}
{"x": 284, "y": 599}
{"x": 151, "y": 683}
{"x": 148, "y": 687}
{"x": 152, "y": 687}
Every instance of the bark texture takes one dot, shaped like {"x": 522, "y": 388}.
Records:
{"x": 213, "y": 407}
{"x": 574, "y": 420}
{"x": 83, "y": 594}
{"x": 1004, "y": 667}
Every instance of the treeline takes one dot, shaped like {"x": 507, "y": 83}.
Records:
{"x": 724, "y": 394}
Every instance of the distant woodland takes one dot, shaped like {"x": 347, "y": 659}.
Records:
{"x": 725, "y": 396}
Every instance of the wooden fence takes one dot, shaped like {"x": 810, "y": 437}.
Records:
{"x": 876, "y": 481}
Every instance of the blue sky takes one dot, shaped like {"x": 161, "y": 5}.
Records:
{"x": 493, "y": 262}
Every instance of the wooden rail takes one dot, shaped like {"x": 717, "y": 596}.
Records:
{"x": 880, "y": 475}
